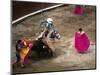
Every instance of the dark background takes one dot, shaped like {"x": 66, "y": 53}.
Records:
{"x": 21, "y": 8}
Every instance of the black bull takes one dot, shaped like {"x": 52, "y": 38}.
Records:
{"x": 42, "y": 49}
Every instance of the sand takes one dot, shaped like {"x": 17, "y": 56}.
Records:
{"x": 66, "y": 57}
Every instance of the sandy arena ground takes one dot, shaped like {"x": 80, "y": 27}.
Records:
{"x": 66, "y": 56}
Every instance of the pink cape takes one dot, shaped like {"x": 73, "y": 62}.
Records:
{"x": 79, "y": 10}
{"x": 82, "y": 42}
{"x": 27, "y": 56}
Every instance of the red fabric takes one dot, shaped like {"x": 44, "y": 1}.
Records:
{"x": 82, "y": 42}
{"x": 79, "y": 10}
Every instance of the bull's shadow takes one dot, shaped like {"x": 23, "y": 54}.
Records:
{"x": 41, "y": 50}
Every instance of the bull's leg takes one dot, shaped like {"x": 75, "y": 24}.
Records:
{"x": 49, "y": 53}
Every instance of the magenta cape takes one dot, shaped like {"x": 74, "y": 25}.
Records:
{"x": 26, "y": 58}
{"x": 82, "y": 42}
{"x": 79, "y": 10}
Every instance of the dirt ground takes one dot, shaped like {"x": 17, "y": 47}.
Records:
{"x": 66, "y": 56}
